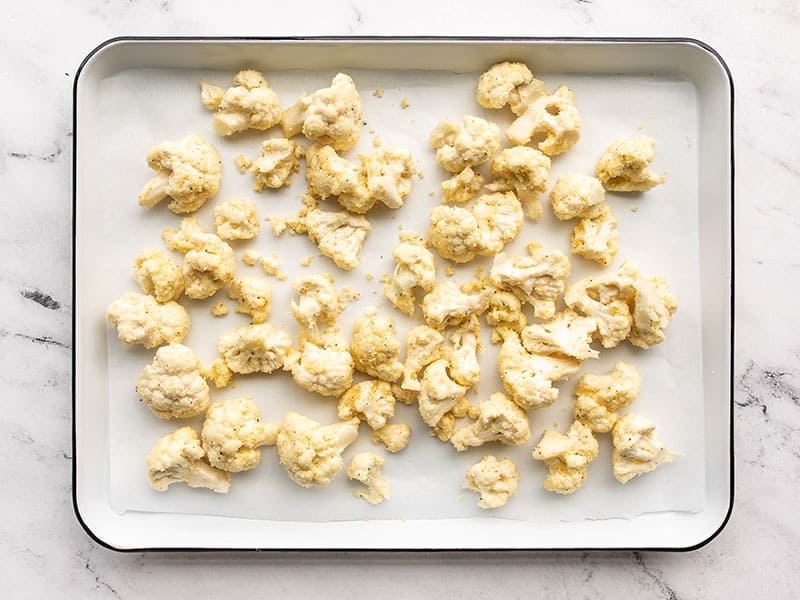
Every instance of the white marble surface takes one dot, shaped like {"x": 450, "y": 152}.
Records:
{"x": 43, "y": 550}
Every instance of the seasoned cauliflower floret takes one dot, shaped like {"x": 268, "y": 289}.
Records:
{"x": 596, "y": 238}
{"x": 438, "y": 392}
{"x": 577, "y": 196}
{"x": 388, "y": 172}
{"x": 462, "y": 354}
{"x": 461, "y": 187}
{"x": 454, "y": 233}
{"x": 140, "y": 319}
{"x": 158, "y": 275}
{"x": 551, "y": 122}
{"x": 599, "y": 397}
{"x": 172, "y": 386}
{"x": 376, "y": 348}
{"x": 625, "y": 166}
{"x": 254, "y": 348}
{"x": 328, "y": 174}
{"x": 325, "y": 368}
{"x": 422, "y": 348}
{"x": 279, "y": 159}
{"x": 416, "y": 268}
{"x": 366, "y": 468}
{"x": 567, "y": 457}
{"x": 509, "y": 83}
{"x": 525, "y": 171}
{"x": 567, "y": 334}
{"x": 504, "y": 312}
{"x": 393, "y": 436}
{"x": 254, "y": 297}
{"x": 467, "y": 144}
{"x": 188, "y": 171}
{"x": 495, "y": 480}
{"x": 371, "y": 401}
{"x": 318, "y": 301}
{"x": 233, "y": 432}
{"x": 637, "y": 448}
{"x": 179, "y": 457}
{"x": 653, "y": 307}
{"x": 500, "y": 218}
{"x": 312, "y": 453}
{"x": 448, "y": 305}
{"x": 330, "y": 116}
{"x": 248, "y": 104}
{"x": 537, "y": 278}
{"x": 499, "y": 420}
{"x": 236, "y": 220}
{"x": 339, "y": 235}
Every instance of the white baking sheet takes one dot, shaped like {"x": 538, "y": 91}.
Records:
{"x": 138, "y": 108}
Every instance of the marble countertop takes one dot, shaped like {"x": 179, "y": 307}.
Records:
{"x": 44, "y": 551}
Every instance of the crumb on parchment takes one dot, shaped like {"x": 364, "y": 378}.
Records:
{"x": 378, "y": 93}
{"x": 306, "y": 262}
{"x": 376, "y": 141}
{"x": 271, "y": 266}
{"x": 242, "y": 163}
{"x": 220, "y": 309}
{"x": 404, "y": 103}
{"x": 250, "y": 257}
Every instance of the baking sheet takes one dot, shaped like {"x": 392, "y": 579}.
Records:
{"x": 137, "y": 108}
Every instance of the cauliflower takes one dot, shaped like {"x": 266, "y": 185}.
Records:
{"x": 232, "y": 433}
{"x": 499, "y": 218}
{"x": 172, "y": 386}
{"x": 467, "y": 144}
{"x": 254, "y": 296}
{"x": 596, "y": 238}
{"x": 318, "y": 301}
{"x": 158, "y": 275}
{"x": 625, "y": 166}
{"x": 495, "y": 480}
{"x": 311, "y": 453}
{"x": 210, "y": 262}
{"x": 448, "y": 305}
{"x": 388, "y": 172}
{"x": 463, "y": 353}
{"x": 254, "y": 348}
{"x": 653, "y": 307}
{"x": 422, "y": 348}
{"x": 525, "y": 171}
{"x": 438, "y": 392}
{"x": 366, "y": 468}
{"x": 551, "y": 121}
{"x": 504, "y": 312}
{"x": 236, "y": 220}
{"x": 454, "y": 233}
{"x": 371, "y": 401}
{"x": 218, "y": 372}
{"x": 461, "y": 187}
{"x": 637, "y": 448}
{"x": 325, "y": 368}
{"x": 537, "y": 278}
{"x": 330, "y": 116}
{"x": 416, "y": 268}
{"x": 598, "y": 397}
{"x": 577, "y": 196}
{"x": 529, "y": 378}
{"x": 375, "y": 347}
{"x": 140, "y": 319}
{"x": 279, "y": 159}
{"x": 567, "y": 457}
{"x": 248, "y": 104}
{"x": 394, "y": 436}
{"x": 328, "y": 174}
{"x": 179, "y": 457}
{"x": 509, "y": 83}
{"x": 567, "y": 334}
{"x": 499, "y": 420}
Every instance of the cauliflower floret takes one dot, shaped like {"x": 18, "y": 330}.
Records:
{"x": 448, "y": 305}
{"x": 637, "y": 448}
{"x": 509, "y": 83}
{"x": 500, "y": 218}
{"x": 463, "y": 353}
{"x": 189, "y": 172}
{"x": 318, "y": 301}
{"x": 371, "y": 401}
{"x": 653, "y": 307}
{"x": 577, "y": 196}
{"x": 279, "y": 159}
{"x": 454, "y": 233}
{"x": 394, "y": 436}
{"x": 311, "y": 453}
{"x": 499, "y": 420}
{"x": 529, "y": 378}
{"x": 537, "y": 278}
{"x": 339, "y": 235}
{"x": 524, "y": 170}
{"x": 254, "y": 348}
{"x": 328, "y": 174}
{"x": 567, "y": 457}
{"x": 254, "y": 297}
{"x": 236, "y": 220}
{"x": 416, "y": 268}
{"x": 158, "y": 275}
{"x": 330, "y": 116}
{"x": 567, "y": 334}
{"x": 504, "y": 312}
{"x": 248, "y": 104}
{"x": 376, "y": 348}
{"x": 232, "y": 433}
{"x": 325, "y": 368}
{"x": 422, "y": 348}
{"x": 598, "y": 397}
{"x": 209, "y": 262}
{"x": 366, "y": 468}
{"x": 596, "y": 238}
{"x": 551, "y": 121}
{"x": 625, "y": 166}
{"x": 179, "y": 457}
{"x": 438, "y": 392}
{"x": 460, "y": 188}
{"x": 388, "y": 172}
{"x": 140, "y": 319}
{"x": 495, "y": 480}
{"x": 172, "y": 386}
{"x": 467, "y": 144}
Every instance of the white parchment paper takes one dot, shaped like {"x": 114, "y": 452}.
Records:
{"x": 138, "y": 108}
